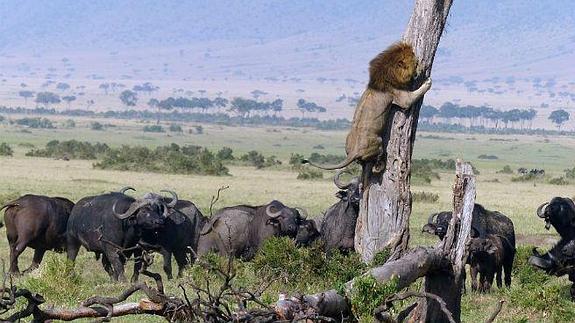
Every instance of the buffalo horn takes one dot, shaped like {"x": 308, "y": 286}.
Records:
{"x": 174, "y": 198}
{"x": 131, "y": 210}
{"x": 126, "y": 188}
{"x": 338, "y": 182}
{"x": 301, "y": 212}
{"x": 541, "y": 211}
{"x": 431, "y": 219}
{"x": 272, "y": 214}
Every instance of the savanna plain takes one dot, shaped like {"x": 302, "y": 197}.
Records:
{"x": 533, "y": 296}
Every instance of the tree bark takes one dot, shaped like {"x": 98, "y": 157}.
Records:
{"x": 442, "y": 266}
{"x": 385, "y": 208}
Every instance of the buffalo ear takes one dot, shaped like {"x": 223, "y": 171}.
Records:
{"x": 429, "y": 228}
{"x": 177, "y": 216}
{"x": 490, "y": 248}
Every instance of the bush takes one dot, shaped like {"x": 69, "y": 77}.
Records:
{"x": 368, "y": 294}
{"x": 71, "y": 149}
{"x": 489, "y": 157}
{"x": 226, "y": 153}
{"x": 506, "y": 170}
{"x": 325, "y": 159}
{"x": 175, "y": 128}
{"x": 255, "y": 158}
{"x": 558, "y": 181}
{"x": 425, "y": 197}
{"x": 570, "y": 173}
{"x": 154, "y": 128}
{"x": 526, "y": 177}
{"x": 56, "y": 279}
{"x": 38, "y": 123}
{"x": 96, "y": 126}
{"x": 307, "y": 173}
{"x": 5, "y": 150}
{"x": 279, "y": 257}
{"x": 164, "y": 159}
{"x": 69, "y": 123}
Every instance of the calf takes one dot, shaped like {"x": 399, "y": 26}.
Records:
{"x": 488, "y": 257}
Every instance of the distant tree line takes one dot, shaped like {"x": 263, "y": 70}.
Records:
{"x": 482, "y": 116}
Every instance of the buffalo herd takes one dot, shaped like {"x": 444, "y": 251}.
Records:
{"x": 116, "y": 227}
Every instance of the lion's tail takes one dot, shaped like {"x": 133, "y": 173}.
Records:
{"x": 345, "y": 163}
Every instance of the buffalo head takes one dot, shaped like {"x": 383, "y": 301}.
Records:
{"x": 350, "y": 191}
{"x": 307, "y": 232}
{"x": 437, "y": 224}
{"x": 149, "y": 212}
{"x": 284, "y": 218}
{"x": 559, "y": 213}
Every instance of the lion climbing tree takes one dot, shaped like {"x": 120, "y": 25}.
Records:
{"x": 385, "y": 208}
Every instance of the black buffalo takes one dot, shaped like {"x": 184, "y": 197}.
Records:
{"x": 338, "y": 225}
{"x": 307, "y": 232}
{"x": 239, "y": 231}
{"x": 493, "y": 243}
{"x": 109, "y": 224}
{"x": 560, "y": 259}
{"x": 483, "y": 222}
{"x": 38, "y": 222}
{"x": 178, "y": 236}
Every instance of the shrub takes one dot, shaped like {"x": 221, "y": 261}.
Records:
{"x": 307, "y": 173}
{"x": 570, "y": 173}
{"x": 489, "y": 157}
{"x": 425, "y": 197}
{"x": 69, "y": 124}
{"x": 154, "y": 128}
{"x": 5, "y": 150}
{"x": 226, "y": 153}
{"x": 56, "y": 279}
{"x": 526, "y": 177}
{"x": 175, "y": 128}
{"x": 96, "y": 126}
{"x": 2, "y": 118}
{"x": 558, "y": 181}
{"x": 325, "y": 159}
{"x": 164, "y": 159}
{"x": 39, "y": 123}
{"x": 506, "y": 170}
{"x": 368, "y": 294}
{"x": 72, "y": 149}
{"x": 295, "y": 160}
{"x": 255, "y": 158}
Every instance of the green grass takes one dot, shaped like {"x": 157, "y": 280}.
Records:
{"x": 77, "y": 178}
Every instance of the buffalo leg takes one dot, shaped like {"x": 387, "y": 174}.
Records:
{"x": 167, "y": 256}
{"x": 473, "y": 279}
{"x": 107, "y": 266}
{"x": 182, "y": 260}
{"x": 72, "y": 248}
{"x": 138, "y": 264}
{"x": 38, "y": 255}
{"x": 507, "y": 268}
{"x": 117, "y": 265}
{"x": 572, "y": 290}
{"x": 498, "y": 277}
{"x": 15, "y": 251}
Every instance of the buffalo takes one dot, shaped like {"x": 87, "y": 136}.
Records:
{"x": 483, "y": 222}
{"x": 178, "y": 236}
{"x": 560, "y": 259}
{"x": 338, "y": 225}
{"x": 111, "y": 224}
{"x": 492, "y": 247}
{"x": 239, "y": 231}
{"x": 38, "y": 222}
{"x": 307, "y": 232}
{"x": 488, "y": 257}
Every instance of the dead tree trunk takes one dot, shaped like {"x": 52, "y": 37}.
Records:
{"x": 385, "y": 208}
{"x": 442, "y": 266}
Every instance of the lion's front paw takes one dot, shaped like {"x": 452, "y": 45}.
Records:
{"x": 427, "y": 83}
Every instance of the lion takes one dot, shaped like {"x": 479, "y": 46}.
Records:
{"x": 390, "y": 75}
